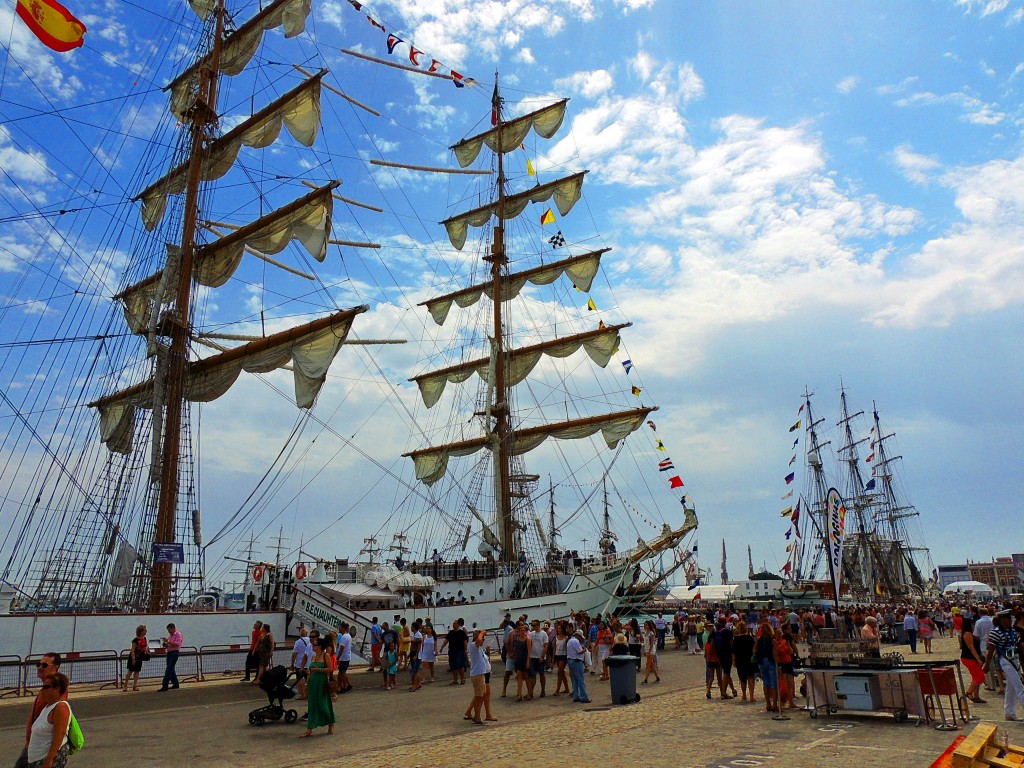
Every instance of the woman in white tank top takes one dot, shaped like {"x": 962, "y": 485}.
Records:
{"x": 48, "y": 742}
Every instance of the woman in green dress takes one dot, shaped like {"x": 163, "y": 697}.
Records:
{"x": 321, "y": 711}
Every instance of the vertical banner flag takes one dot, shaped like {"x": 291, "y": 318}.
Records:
{"x": 53, "y": 24}
{"x": 836, "y": 527}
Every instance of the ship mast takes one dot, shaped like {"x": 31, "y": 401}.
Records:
{"x": 500, "y": 407}
{"x": 203, "y": 119}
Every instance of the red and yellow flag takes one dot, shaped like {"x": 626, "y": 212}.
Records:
{"x": 52, "y": 23}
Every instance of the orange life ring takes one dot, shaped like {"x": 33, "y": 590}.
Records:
{"x": 300, "y": 571}
{"x": 257, "y": 573}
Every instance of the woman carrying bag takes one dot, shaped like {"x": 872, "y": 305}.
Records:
{"x": 48, "y": 745}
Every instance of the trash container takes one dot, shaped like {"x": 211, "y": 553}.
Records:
{"x": 622, "y": 673}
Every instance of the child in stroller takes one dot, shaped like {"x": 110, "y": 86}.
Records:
{"x": 275, "y": 683}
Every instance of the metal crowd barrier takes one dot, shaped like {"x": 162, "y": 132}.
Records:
{"x": 10, "y": 676}
{"x": 108, "y": 669}
{"x": 223, "y": 660}
{"x": 99, "y": 668}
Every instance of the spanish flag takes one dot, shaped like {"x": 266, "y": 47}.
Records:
{"x": 52, "y": 23}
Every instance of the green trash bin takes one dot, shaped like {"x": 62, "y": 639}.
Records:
{"x": 622, "y": 674}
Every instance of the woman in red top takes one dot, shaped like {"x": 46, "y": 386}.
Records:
{"x": 783, "y": 650}
{"x": 138, "y": 654}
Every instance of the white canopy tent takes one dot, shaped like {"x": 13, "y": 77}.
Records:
{"x": 977, "y": 588}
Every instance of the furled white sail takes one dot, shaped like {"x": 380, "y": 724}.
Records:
{"x": 309, "y": 350}
{"x": 308, "y": 223}
{"x": 298, "y": 111}
{"x": 239, "y": 48}
{"x": 544, "y": 121}
{"x": 202, "y": 8}
{"x": 565, "y": 192}
{"x": 579, "y": 269}
{"x": 431, "y": 464}
{"x": 139, "y": 300}
{"x": 600, "y": 345}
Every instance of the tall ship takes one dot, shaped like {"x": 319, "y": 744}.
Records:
{"x": 217, "y": 267}
{"x": 851, "y": 524}
{"x": 501, "y": 395}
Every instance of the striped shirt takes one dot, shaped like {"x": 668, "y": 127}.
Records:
{"x": 1004, "y": 641}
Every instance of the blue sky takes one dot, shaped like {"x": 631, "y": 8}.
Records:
{"x": 797, "y": 194}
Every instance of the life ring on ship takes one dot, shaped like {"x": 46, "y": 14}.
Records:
{"x": 300, "y": 571}
{"x": 257, "y": 573}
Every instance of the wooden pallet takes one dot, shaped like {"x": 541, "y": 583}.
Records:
{"x": 981, "y": 748}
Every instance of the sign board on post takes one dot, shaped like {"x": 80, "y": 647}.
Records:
{"x": 169, "y": 553}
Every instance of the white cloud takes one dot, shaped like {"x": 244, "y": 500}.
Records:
{"x": 24, "y": 166}
{"x": 332, "y": 12}
{"x": 635, "y": 141}
{"x": 973, "y": 109}
{"x": 986, "y": 69}
{"x": 915, "y": 167}
{"x": 642, "y": 65}
{"x": 984, "y": 7}
{"x": 847, "y": 84}
{"x": 525, "y": 56}
{"x": 634, "y": 5}
{"x": 900, "y": 87}
{"x": 590, "y": 83}
{"x": 443, "y": 28}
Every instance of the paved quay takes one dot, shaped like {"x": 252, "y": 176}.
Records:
{"x": 206, "y": 724}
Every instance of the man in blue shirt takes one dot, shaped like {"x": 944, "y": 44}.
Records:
{"x": 910, "y": 627}
{"x": 575, "y": 650}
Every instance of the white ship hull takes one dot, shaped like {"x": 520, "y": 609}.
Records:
{"x": 318, "y": 605}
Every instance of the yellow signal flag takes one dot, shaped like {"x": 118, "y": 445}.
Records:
{"x": 636, "y": 390}
{"x": 600, "y": 325}
{"x": 529, "y": 168}
{"x": 548, "y": 217}
{"x": 591, "y": 305}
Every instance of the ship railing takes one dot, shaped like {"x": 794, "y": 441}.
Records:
{"x": 99, "y": 669}
{"x": 462, "y": 571}
{"x": 10, "y": 676}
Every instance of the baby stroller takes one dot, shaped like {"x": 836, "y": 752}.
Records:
{"x": 275, "y": 683}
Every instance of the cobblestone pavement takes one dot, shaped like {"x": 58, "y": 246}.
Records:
{"x": 673, "y": 725}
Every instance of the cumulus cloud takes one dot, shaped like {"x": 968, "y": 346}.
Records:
{"x": 443, "y": 28}
{"x": 590, "y": 83}
{"x": 23, "y": 165}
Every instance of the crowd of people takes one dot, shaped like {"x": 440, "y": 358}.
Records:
{"x": 738, "y": 647}
{"x": 766, "y": 645}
